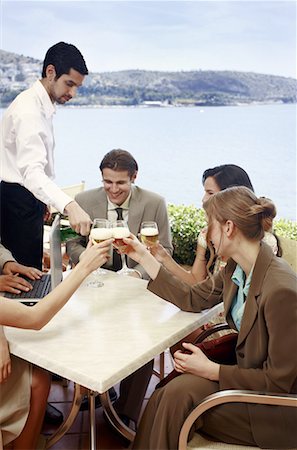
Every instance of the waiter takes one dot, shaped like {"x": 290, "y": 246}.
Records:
{"x": 27, "y": 157}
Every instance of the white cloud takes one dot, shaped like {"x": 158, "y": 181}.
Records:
{"x": 257, "y": 36}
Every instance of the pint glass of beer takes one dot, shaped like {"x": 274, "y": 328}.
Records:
{"x": 149, "y": 234}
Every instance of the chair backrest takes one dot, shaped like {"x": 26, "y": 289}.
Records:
{"x": 74, "y": 189}
{"x": 71, "y": 190}
{"x": 289, "y": 248}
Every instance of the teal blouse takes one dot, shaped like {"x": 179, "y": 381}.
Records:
{"x": 238, "y": 304}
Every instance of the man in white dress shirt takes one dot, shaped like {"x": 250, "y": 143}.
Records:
{"x": 27, "y": 159}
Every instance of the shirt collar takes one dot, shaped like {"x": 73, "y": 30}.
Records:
{"x": 112, "y": 206}
{"x": 238, "y": 277}
{"x": 48, "y": 105}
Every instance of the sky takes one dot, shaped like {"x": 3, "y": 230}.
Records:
{"x": 253, "y": 36}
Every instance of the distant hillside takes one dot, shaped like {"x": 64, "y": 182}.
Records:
{"x": 154, "y": 88}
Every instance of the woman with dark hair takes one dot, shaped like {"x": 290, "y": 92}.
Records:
{"x": 259, "y": 294}
{"x": 214, "y": 180}
{"x": 228, "y": 175}
{"x": 23, "y": 387}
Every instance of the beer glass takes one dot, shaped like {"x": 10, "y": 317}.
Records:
{"x": 120, "y": 231}
{"x": 100, "y": 231}
{"x": 149, "y": 234}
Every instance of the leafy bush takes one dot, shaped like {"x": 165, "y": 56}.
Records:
{"x": 286, "y": 228}
{"x": 187, "y": 221}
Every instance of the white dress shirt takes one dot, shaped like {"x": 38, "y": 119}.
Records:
{"x": 111, "y": 209}
{"x": 27, "y": 146}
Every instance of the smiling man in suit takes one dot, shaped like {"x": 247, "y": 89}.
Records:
{"x": 119, "y": 198}
{"x": 119, "y": 171}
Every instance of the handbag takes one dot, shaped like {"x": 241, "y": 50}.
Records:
{"x": 220, "y": 350}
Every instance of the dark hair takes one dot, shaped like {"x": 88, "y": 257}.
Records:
{"x": 251, "y": 215}
{"x": 228, "y": 175}
{"x": 118, "y": 160}
{"x": 64, "y": 57}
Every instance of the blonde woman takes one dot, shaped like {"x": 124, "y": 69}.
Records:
{"x": 259, "y": 293}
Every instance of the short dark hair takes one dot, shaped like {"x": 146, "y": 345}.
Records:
{"x": 64, "y": 57}
{"x": 118, "y": 160}
{"x": 228, "y": 175}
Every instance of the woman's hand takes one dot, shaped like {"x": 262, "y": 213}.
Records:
{"x": 195, "y": 362}
{"x": 14, "y": 284}
{"x": 139, "y": 253}
{"x": 159, "y": 252}
{"x": 95, "y": 255}
{"x": 12, "y": 268}
{"x": 135, "y": 249}
{"x": 5, "y": 363}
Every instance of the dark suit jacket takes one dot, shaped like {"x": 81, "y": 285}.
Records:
{"x": 266, "y": 348}
{"x": 144, "y": 206}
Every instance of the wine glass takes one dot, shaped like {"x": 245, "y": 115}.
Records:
{"x": 100, "y": 231}
{"x": 120, "y": 231}
{"x": 149, "y": 234}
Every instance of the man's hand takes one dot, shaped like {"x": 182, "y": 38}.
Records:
{"x": 79, "y": 220}
{"x": 47, "y": 214}
{"x": 14, "y": 284}
{"x": 14, "y": 268}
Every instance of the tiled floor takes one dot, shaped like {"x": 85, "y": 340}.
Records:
{"x": 78, "y": 436}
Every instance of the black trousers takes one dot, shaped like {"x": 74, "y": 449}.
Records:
{"x": 21, "y": 224}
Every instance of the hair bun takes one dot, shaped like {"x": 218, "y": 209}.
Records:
{"x": 266, "y": 208}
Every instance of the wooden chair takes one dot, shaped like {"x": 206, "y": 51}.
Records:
{"x": 289, "y": 248}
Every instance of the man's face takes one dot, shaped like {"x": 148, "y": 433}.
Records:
{"x": 62, "y": 90}
{"x": 117, "y": 185}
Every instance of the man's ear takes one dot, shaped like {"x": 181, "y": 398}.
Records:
{"x": 50, "y": 72}
{"x": 133, "y": 177}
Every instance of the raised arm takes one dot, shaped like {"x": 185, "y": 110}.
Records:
{"x": 197, "y": 272}
{"x": 18, "y": 315}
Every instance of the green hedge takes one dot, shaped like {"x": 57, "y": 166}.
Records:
{"x": 187, "y": 221}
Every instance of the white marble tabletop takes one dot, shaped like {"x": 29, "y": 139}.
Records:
{"x": 104, "y": 334}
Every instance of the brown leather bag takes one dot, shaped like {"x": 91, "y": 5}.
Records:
{"x": 220, "y": 350}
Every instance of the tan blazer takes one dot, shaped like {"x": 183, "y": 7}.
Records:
{"x": 267, "y": 341}
{"x": 144, "y": 206}
{"x": 5, "y": 256}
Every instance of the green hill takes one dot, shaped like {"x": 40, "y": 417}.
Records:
{"x": 155, "y": 88}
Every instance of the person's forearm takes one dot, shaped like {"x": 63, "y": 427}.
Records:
{"x": 2, "y": 335}
{"x": 150, "y": 265}
{"x": 47, "y": 307}
{"x": 179, "y": 271}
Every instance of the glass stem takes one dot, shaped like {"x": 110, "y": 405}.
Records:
{"x": 124, "y": 265}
